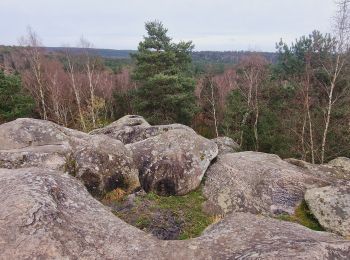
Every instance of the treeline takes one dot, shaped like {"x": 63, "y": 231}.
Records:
{"x": 295, "y": 103}
{"x": 72, "y": 89}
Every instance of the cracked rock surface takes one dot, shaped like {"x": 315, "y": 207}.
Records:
{"x": 46, "y": 214}
{"x": 256, "y": 182}
{"x": 331, "y": 207}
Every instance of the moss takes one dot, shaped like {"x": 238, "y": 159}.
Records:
{"x": 182, "y": 215}
{"x": 304, "y": 217}
{"x": 188, "y": 207}
{"x": 143, "y": 221}
{"x": 71, "y": 165}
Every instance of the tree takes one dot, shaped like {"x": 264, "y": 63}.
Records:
{"x": 252, "y": 72}
{"x": 165, "y": 91}
{"x": 33, "y": 53}
{"x": 209, "y": 99}
{"x": 14, "y": 102}
{"x": 336, "y": 62}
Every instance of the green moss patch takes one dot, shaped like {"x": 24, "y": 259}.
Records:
{"x": 304, "y": 217}
{"x": 169, "y": 218}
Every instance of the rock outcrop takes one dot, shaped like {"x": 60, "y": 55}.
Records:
{"x": 134, "y": 128}
{"x": 102, "y": 163}
{"x": 328, "y": 172}
{"x": 174, "y": 162}
{"x": 341, "y": 162}
{"x": 46, "y": 214}
{"x": 171, "y": 159}
{"x": 257, "y": 183}
{"x": 331, "y": 206}
{"x": 226, "y": 145}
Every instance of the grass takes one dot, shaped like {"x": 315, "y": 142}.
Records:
{"x": 304, "y": 217}
{"x": 153, "y": 211}
{"x": 188, "y": 207}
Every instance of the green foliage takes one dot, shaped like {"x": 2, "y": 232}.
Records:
{"x": 190, "y": 207}
{"x": 122, "y": 104}
{"x": 149, "y": 209}
{"x": 304, "y": 217}
{"x": 14, "y": 102}
{"x": 162, "y": 69}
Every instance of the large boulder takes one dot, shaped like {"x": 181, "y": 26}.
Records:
{"x": 28, "y": 132}
{"x": 341, "y": 162}
{"x": 102, "y": 163}
{"x": 226, "y": 145}
{"x": 331, "y": 173}
{"x": 134, "y": 128}
{"x": 46, "y": 214}
{"x": 331, "y": 206}
{"x": 174, "y": 162}
{"x": 255, "y": 182}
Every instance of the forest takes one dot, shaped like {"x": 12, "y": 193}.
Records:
{"x": 293, "y": 103}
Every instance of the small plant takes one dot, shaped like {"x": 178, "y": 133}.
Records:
{"x": 152, "y": 212}
{"x": 115, "y": 195}
{"x": 71, "y": 165}
{"x": 304, "y": 217}
{"x": 143, "y": 222}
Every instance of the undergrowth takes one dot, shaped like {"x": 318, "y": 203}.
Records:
{"x": 152, "y": 211}
{"x": 304, "y": 217}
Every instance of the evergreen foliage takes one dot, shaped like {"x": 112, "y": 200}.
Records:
{"x": 14, "y": 102}
{"x": 163, "y": 71}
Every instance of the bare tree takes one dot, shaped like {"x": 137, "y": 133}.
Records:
{"x": 33, "y": 53}
{"x": 73, "y": 81}
{"x": 336, "y": 65}
{"x": 253, "y": 73}
{"x": 90, "y": 66}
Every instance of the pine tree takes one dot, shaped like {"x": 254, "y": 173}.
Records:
{"x": 166, "y": 88}
{"x": 14, "y": 102}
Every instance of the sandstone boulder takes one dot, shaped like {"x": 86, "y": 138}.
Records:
{"x": 174, "y": 162}
{"x": 333, "y": 174}
{"x": 341, "y": 162}
{"x": 257, "y": 183}
{"x": 331, "y": 206}
{"x": 226, "y": 145}
{"x": 102, "y": 163}
{"x": 46, "y": 214}
{"x": 134, "y": 128}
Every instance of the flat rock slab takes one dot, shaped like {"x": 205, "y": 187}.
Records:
{"x": 331, "y": 206}
{"x": 256, "y": 183}
{"x": 46, "y": 214}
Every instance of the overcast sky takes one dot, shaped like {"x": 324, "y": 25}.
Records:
{"x": 210, "y": 24}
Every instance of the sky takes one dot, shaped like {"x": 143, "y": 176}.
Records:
{"x": 216, "y": 25}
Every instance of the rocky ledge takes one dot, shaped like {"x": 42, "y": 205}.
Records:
{"x": 52, "y": 178}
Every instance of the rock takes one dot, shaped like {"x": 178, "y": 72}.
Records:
{"x": 226, "y": 145}
{"x": 102, "y": 163}
{"x": 331, "y": 206}
{"x": 28, "y": 132}
{"x": 46, "y": 214}
{"x": 255, "y": 182}
{"x": 133, "y": 128}
{"x": 50, "y": 156}
{"x": 341, "y": 162}
{"x": 174, "y": 162}
{"x": 332, "y": 174}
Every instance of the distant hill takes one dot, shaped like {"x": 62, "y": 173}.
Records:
{"x": 222, "y": 57}
{"x": 105, "y": 53}
{"x": 229, "y": 57}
